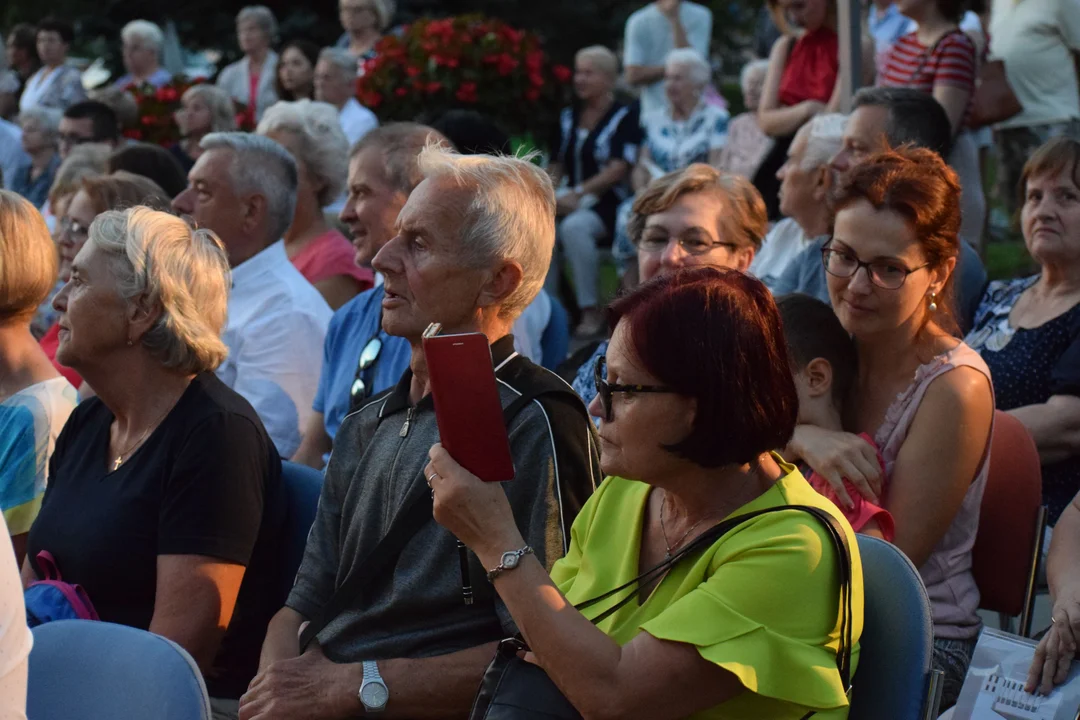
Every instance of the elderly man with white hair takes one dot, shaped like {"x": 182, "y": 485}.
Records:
{"x": 472, "y": 246}
{"x": 142, "y": 43}
{"x": 243, "y": 187}
{"x": 805, "y": 180}
{"x": 335, "y": 83}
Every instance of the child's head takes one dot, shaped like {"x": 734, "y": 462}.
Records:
{"x": 823, "y": 358}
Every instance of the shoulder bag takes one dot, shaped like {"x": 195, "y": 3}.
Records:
{"x": 513, "y": 689}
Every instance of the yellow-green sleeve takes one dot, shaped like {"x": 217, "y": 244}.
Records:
{"x": 566, "y": 568}
{"x": 769, "y": 613}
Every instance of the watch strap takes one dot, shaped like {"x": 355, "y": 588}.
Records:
{"x": 371, "y": 671}
{"x": 503, "y": 567}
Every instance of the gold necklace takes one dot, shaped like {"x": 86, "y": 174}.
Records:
{"x": 663, "y": 529}
{"x": 130, "y": 448}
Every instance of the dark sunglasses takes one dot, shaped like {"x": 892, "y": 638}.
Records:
{"x": 360, "y": 390}
{"x": 605, "y": 389}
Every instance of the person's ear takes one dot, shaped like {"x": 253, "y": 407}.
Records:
{"x": 939, "y": 276}
{"x": 819, "y": 377}
{"x": 253, "y": 211}
{"x": 501, "y": 285}
{"x": 142, "y": 315}
{"x": 822, "y": 181}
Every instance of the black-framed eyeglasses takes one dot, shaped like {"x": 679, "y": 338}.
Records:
{"x": 360, "y": 390}
{"x": 605, "y": 390}
{"x": 691, "y": 244}
{"x": 884, "y": 274}
{"x": 70, "y": 140}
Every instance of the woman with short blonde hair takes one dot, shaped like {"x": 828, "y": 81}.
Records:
{"x": 164, "y": 452}
{"x": 35, "y": 400}
{"x": 598, "y": 145}
{"x": 94, "y": 195}
{"x": 310, "y": 131}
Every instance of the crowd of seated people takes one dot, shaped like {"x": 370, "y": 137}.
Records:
{"x": 176, "y": 322}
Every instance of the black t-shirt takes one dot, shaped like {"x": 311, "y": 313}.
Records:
{"x": 206, "y": 482}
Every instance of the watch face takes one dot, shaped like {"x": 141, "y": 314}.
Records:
{"x": 510, "y": 560}
{"x": 374, "y": 695}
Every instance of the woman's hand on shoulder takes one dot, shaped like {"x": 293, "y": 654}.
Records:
{"x": 837, "y": 456}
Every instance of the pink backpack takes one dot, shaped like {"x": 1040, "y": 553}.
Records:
{"x": 53, "y": 599}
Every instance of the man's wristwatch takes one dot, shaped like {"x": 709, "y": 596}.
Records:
{"x": 508, "y": 561}
{"x": 373, "y": 693}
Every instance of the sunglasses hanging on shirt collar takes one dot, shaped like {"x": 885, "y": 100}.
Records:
{"x": 361, "y": 389}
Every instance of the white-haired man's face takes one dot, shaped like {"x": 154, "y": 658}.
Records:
{"x": 331, "y": 85}
{"x": 427, "y": 277}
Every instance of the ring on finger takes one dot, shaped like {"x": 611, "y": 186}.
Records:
{"x": 431, "y": 477}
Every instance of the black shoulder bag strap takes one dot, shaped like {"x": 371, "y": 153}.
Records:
{"x": 415, "y": 512}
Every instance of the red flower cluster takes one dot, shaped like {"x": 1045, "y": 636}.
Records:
{"x": 156, "y": 109}
{"x": 468, "y": 61}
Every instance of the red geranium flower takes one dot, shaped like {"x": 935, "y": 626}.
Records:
{"x": 562, "y": 73}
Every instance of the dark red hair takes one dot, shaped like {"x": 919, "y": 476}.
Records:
{"x": 917, "y": 185}
{"x": 716, "y": 336}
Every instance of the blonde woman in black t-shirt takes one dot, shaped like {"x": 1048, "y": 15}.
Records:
{"x": 163, "y": 495}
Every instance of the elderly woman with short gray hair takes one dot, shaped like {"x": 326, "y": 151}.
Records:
{"x": 250, "y": 80}
{"x": 178, "y": 467}
{"x": 597, "y": 146}
{"x": 687, "y": 131}
{"x": 142, "y": 45}
{"x": 311, "y": 133}
{"x": 364, "y": 22}
{"x": 41, "y": 142}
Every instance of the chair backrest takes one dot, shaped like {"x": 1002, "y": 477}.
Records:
{"x": 96, "y": 670}
{"x": 892, "y": 679}
{"x": 555, "y": 340}
{"x": 1008, "y": 518}
{"x": 302, "y": 488}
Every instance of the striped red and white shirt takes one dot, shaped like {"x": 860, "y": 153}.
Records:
{"x": 953, "y": 62}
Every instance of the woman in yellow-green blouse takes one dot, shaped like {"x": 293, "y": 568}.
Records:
{"x": 695, "y": 392}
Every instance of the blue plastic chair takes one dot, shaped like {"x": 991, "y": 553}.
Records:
{"x": 100, "y": 671}
{"x": 302, "y": 488}
{"x": 894, "y": 679}
{"x": 555, "y": 340}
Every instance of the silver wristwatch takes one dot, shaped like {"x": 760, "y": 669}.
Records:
{"x": 373, "y": 693}
{"x": 508, "y": 561}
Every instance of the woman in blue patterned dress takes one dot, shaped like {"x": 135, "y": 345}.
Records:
{"x": 1028, "y": 329}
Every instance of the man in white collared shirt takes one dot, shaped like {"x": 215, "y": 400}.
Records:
{"x": 243, "y": 187}
{"x": 335, "y": 83}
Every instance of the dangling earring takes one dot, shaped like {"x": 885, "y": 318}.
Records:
{"x": 933, "y": 302}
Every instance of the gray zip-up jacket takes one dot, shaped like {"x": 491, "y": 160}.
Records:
{"x": 379, "y": 454}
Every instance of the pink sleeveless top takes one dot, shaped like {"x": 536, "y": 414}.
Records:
{"x": 328, "y": 255}
{"x": 954, "y": 598}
